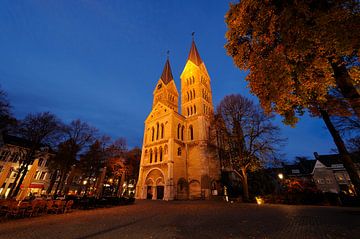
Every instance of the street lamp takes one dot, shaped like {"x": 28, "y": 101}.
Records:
{"x": 281, "y": 176}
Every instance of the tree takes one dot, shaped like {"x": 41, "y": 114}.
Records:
{"x": 6, "y": 117}
{"x": 92, "y": 162}
{"x": 300, "y": 53}
{"x": 133, "y": 161}
{"x": 40, "y": 130}
{"x": 316, "y": 40}
{"x": 246, "y": 136}
{"x": 116, "y": 167}
{"x": 76, "y": 136}
{"x": 349, "y": 127}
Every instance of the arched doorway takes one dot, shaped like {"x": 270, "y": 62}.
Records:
{"x": 194, "y": 189}
{"x": 155, "y": 184}
{"x": 182, "y": 189}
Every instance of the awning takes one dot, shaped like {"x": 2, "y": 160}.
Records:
{"x": 34, "y": 185}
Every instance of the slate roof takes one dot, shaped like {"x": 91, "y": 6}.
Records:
{"x": 166, "y": 75}
{"x": 194, "y": 55}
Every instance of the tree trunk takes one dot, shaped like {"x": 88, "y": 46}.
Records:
{"x": 58, "y": 184}
{"x": 345, "y": 156}
{"x": 62, "y": 181}
{"x": 18, "y": 186}
{"x": 245, "y": 184}
{"x": 52, "y": 182}
{"x": 13, "y": 186}
{"x": 27, "y": 162}
{"x": 346, "y": 86}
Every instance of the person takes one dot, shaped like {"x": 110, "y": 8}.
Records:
{"x": 226, "y": 197}
{"x": 31, "y": 196}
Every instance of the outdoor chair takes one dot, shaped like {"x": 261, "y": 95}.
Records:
{"x": 35, "y": 208}
{"x": 42, "y": 206}
{"x": 68, "y": 206}
{"x": 59, "y": 206}
{"x": 50, "y": 206}
{"x": 16, "y": 209}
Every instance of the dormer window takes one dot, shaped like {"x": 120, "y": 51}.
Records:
{"x": 159, "y": 86}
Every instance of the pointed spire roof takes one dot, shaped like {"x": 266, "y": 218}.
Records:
{"x": 194, "y": 55}
{"x": 166, "y": 75}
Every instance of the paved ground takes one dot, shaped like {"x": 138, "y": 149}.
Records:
{"x": 191, "y": 219}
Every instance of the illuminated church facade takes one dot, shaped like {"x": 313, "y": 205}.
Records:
{"x": 175, "y": 162}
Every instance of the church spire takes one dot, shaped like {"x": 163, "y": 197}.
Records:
{"x": 166, "y": 75}
{"x": 194, "y": 55}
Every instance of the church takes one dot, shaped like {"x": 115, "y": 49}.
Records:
{"x": 175, "y": 162}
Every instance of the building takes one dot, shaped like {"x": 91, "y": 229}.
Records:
{"x": 327, "y": 172}
{"x": 175, "y": 163}
{"x": 330, "y": 174}
{"x": 12, "y": 151}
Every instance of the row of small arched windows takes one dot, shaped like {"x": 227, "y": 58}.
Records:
{"x": 190, "y": 80}
{"x": 203, "y": 80}
{"x": 205, "y": 95}
{"x": 158, "y": 132}
{"x": 171, "y": 97}
{"x": 156, "y": 154}
{"x": 206, "y": 109}
{"x": 180, "y": 132}
{"x": 191, "y": 110}
{"x": 191, "y": 94}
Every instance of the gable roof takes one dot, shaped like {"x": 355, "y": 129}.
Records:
{"x": 304, "y": 167}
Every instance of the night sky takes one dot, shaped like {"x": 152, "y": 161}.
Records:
{"x": 99, "y": 61}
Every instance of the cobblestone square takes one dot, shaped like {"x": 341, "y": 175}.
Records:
{"x": 191, "y": 219}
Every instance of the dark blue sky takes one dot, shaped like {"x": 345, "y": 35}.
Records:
{"x": 100, "y": 60}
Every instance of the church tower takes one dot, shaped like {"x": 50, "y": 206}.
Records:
{"x": 196, "y": 96}
{"x": 197, "y": 107}
{"x": 165, "y": 91}
{"x": 175, "y": 162}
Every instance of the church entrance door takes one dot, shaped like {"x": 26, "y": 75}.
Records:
{"x": 149, "y": 192}
{"x": 159, "y": 192}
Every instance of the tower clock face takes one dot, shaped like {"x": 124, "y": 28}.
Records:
{"x": 159, "y": 86}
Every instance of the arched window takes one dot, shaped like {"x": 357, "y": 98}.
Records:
{"x": 194, "y": 93}
{"x": 194, "y": 109}
{"x": 152, "y": 134}
{"x": 165, "y": 149}
{"x": 155, "y": 155}
{"x": 188, "y": 97}
{"x": 162, "y": 131}
{"x": 191, "y": 110}
{"x": 188, "y": 110}
{"x": 151, "y": 155}
{"x": 182, "y": 132}
{"x": 178, "y": 131}
{"x": 157, "y": 131}
{"x": 179, "y": 151}
{"x": 191, "y": 132}
{"x": 160, "y": 154}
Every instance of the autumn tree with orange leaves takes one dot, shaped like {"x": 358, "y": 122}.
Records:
{"x": 300, "y": 55}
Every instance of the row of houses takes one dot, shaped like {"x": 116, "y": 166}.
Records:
{"x": 327, "y": 172}
{"x": 39, "y": 179}
{"x": 12, "y": 151}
